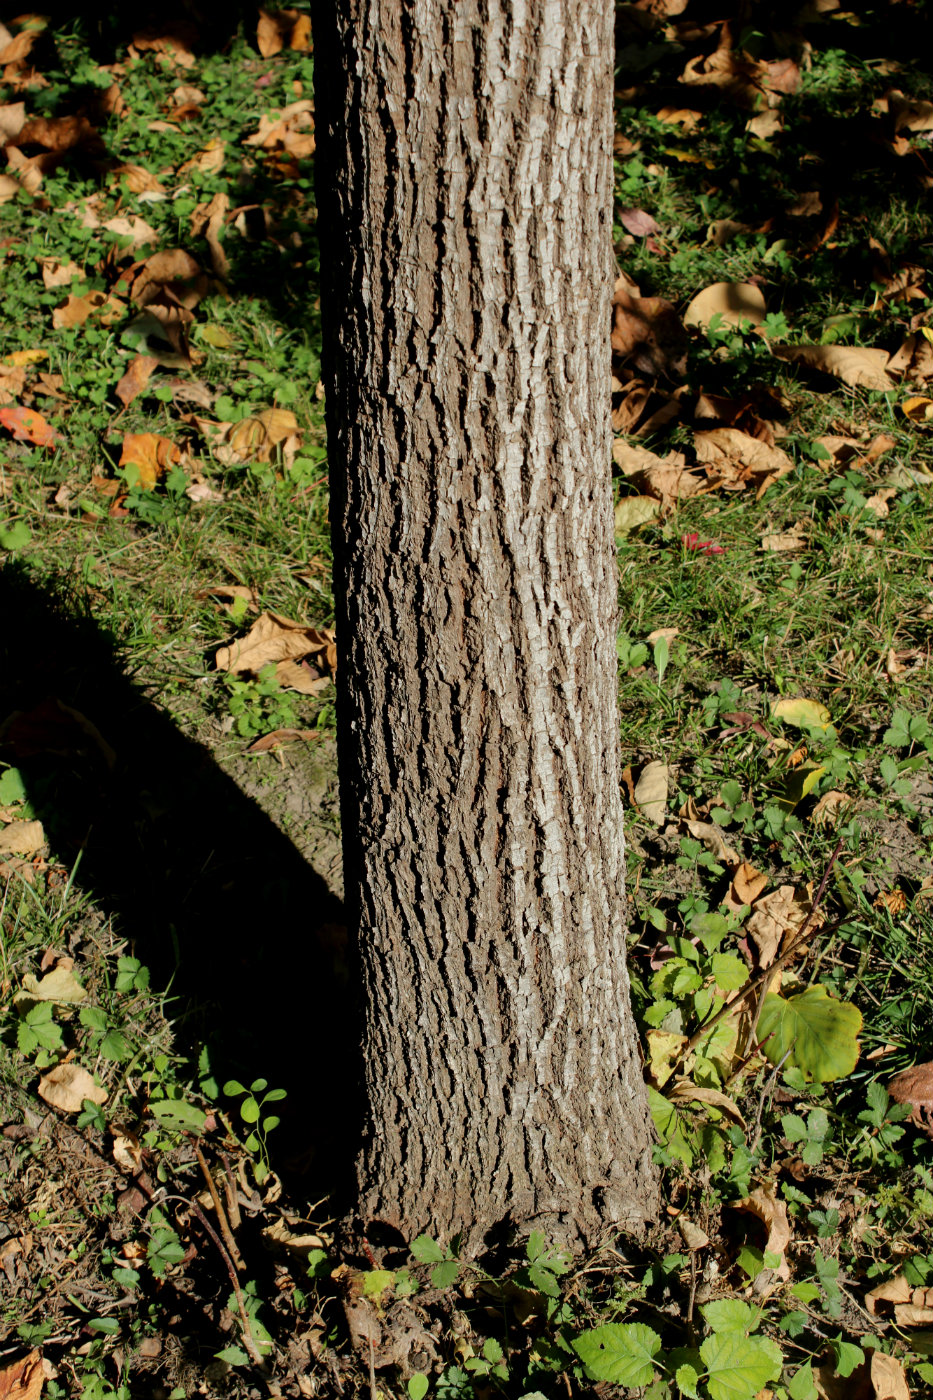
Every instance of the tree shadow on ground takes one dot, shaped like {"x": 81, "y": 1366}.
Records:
{"x": 205, "y": 888}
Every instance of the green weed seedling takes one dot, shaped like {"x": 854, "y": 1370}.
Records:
{"x": 260, "y": 706}
{"x": 254, "y": 1100}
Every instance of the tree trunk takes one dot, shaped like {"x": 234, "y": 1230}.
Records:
{"x": 464, "y": 193}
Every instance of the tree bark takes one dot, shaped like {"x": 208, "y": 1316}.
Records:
{"x": 464, "y": 195}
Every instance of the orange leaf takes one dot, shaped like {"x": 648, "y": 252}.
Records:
{"x": 29, "y": 426}
{"x": 152, "y": 455}
{"x": 22, "y": 1379}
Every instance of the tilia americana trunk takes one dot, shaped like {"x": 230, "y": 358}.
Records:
{"x": 464, "y": 194}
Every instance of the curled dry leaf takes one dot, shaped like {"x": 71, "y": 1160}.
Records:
{"x": 667, "y": 479}
{"x": 651, "y": 791}
{"x": 152, "y": 455}
{"x": 135, "y": 379}
{"x": 748, "y": 884}
{"x": 255, "y": 439}
{"x": 291, "y": 130}
{"x": 733, "y": 302}
{"x": 913, "y": 360}
{"x": 21, "y": 838}
{"x": 685, "y": 1091}
{"x": 887, "y": 1377}
{"x": 76, "y": 310}
{"x": 785, "y": 541}
{"x": 59, "y": 274}
{"x": 67, "y": 1086}
{"x": 710, "y": 835}
{"x": 208, "y": 161}
{"x": 59, "y": 985}
{"x": 127, "y": 1152}
{"x": 28, "y": 426}
{"x": 23, "y": 1379}
{"x": 278, "y": 737}
{"x": 772, "y": 1212}
{"x": 648, "y": 331}
{"x": 857, "y": 365}
{"x": 832, "y": 808}
{"x": 274, "y": 639}
{"x": 893, "y": 1290}
{"x": 284, "y": 27}
{"x": 776, "y": 920}
{"x": 915, "y": 1086}
{"x": 734, "y": 460}
{"x": 693, "y": 1237}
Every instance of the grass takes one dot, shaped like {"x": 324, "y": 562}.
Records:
{"x": 176, "y": 870}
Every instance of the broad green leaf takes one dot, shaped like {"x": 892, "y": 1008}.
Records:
{"x": 802, "y": 1386}
{"x": 249, "y": 1110}
{"x": 729, "y": 971}
{"x": 848, "y": 1356}
{"x": 535, "y": 1245}
{"x": 426, "y": 1250}
{"x": 812, "y": 1032}
{"x": 376, "y": 1281}
{"x": 688, "y": 1380}
{"x": 801, "y": 713}
{"x": 443, "y": 1275}
{"x": 730, "y": 1315}
{"x": 176, "y": 1113}
{"x": 417, "y": 1386}
{"x": 12, "y": 787}
{"x": 234, "y": 1356}
{"x": 738, "y": 1366}
{"x": 670, "y": 1127}
{"x": 620, "y": 1352}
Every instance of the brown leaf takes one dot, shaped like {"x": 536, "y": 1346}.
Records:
{"x": 915, "y": 1086}
{"x": 208, "y": 161}
{"x": 638, "y": 222}
{"x": 22, "y": 1379}
{"x": 282, "y": 736}
{"x": 59, "y": 985}
{"x": 853, "y": 364}
{"x": 832, "y": 808}
{"x": 28, "y": 426}
{"x": 298, "y": 675}
{"x": 173, "y": 273}
{"x": 227, "y": 593}
{"x": 734, "y": 459}
{"x": 893, "y": 1290}
{"x": 173, "y": 42}
{"x": 274, "y": 638}
{"x": 291, "y": 130}
{"x": 722, "y": 231}
{"x": 668, "y": 479}
{"x": 136, "y": 378}
{"x": 76, "y": 310}
{"x": 68, "y": 1085}
{"x": 776, "y": 920}
{"x": 685, "y": 1091}
{"x": 909, "y": 115}
{"x": 139, "y": 180}
{"x": 914, "y": 359}
{"x": 710, "y": 835}
{"x": 21, "y": 838}
{"x": 254, "y": 439}
{"x": 739, "y": 78}
{"x": 765, "y": 125}
{"x": 748, "y": 884}
{"x": 59, "y": 274}
{"x": 648, "y": 331}
{"x": 289, "y": 27}
{"x": 772, "y": 1212}
{"x": 208, "y": 219}
{"x": 651, "y": 791}
{"x": 785, "y": 541}
{"x": 152, "y": 454}
{"x": 60, "y": 134}
{"x": 912, "y": 1315}
{"x": 685, "y": 117}
{"x": 12, "y": 383}
{"x": 733, "y": 302}
{"x": 12, "y": 120}
{"x": 887, "y": 1377}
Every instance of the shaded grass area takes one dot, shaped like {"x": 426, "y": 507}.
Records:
{"x": 169, "y": 847}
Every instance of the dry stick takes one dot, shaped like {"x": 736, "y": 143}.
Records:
{"x": 225, "y": 1230}
{"x": 763, "y": 977}
{"x": 254, "y": 1354}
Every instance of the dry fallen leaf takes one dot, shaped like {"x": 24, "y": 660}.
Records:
{"x": 748, "y": 884}
{"x": 282, "y": 736}
{"x": 59, "y": 985}
{"x": 76, "y": 310}
{"x": 136, "y": 378}
{"x": 274, "y": 639}
{"x": 651, "y": 791}
{"x": 734, "y": 459}
{"x": 887, "y": 1377}
{"x": 685, "y": 1091}
{"x": 733, "y": 302}
{"x": 21, "y": 838}
{"x": 711, "y": 836}
{"x": 283, "y": 27}
{"x": 785, "y": 541}
{"x": 22, "y": 1379}
{"x": 152, "y": 455}
{"x": 915, "y": 1086}
{"x": 831, "y": 808}
{"x": 772, "y": 1212}
{"x": 649, "y": 332}
{"x": 208, "y": 161}
{"x": 68, "y": 1085}
{"x": 776, "y": 921}
{"x": 856, "y": 365}
{"x": 634, "y": 511}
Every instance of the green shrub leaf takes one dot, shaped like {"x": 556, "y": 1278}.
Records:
{"x": 738, "y": 1366}
{"x": 815, "y": 1033}
{"x": 620, "y": 1352}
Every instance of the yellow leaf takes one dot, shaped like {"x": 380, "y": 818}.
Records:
{"x": 25, "y": 357}
{"x": 634, "y": 511}
{"x": 801, "y": 712}
{"x": 918, "y": 409}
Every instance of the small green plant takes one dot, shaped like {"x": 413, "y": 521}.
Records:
{"x": 260, "y": 706}
{"x": 252, "y": 1111}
